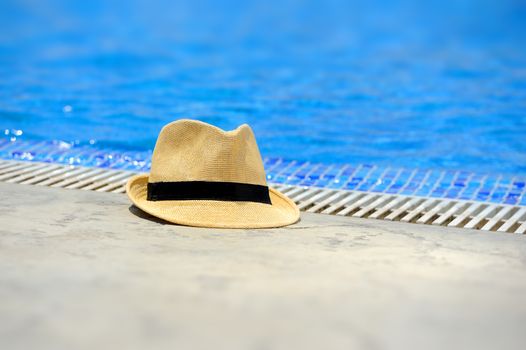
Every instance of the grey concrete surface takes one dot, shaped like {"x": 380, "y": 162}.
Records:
{"x": 84, "y": 270}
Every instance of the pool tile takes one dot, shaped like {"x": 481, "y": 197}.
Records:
{"x": 363, "y": 177}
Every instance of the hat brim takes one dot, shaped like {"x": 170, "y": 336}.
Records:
{"x": 213, "y": 213}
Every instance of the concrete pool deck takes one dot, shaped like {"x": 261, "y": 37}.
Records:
{"x": 85, "y": 270}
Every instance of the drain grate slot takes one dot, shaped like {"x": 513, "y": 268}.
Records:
{"x": 421, "y": 210}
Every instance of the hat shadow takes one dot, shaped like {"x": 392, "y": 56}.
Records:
{"x": 144, "y": 215}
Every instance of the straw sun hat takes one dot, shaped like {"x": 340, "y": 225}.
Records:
{"x": 204, "y": 176}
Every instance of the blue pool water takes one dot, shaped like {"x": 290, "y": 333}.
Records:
{"x": 437, "y": 85}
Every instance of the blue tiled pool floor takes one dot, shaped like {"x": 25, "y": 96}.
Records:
{"x": 466, "y": 185}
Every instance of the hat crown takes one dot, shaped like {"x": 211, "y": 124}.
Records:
{"x": 189, "y": 150}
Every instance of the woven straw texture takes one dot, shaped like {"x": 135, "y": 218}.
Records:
{"x": 189, "y": 150}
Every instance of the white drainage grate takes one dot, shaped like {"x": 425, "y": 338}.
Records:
{"x": 421, "y": 210}
{"x": 65, "y": 176}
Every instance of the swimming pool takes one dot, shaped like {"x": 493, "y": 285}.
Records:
{"x": 383, "y": 97}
